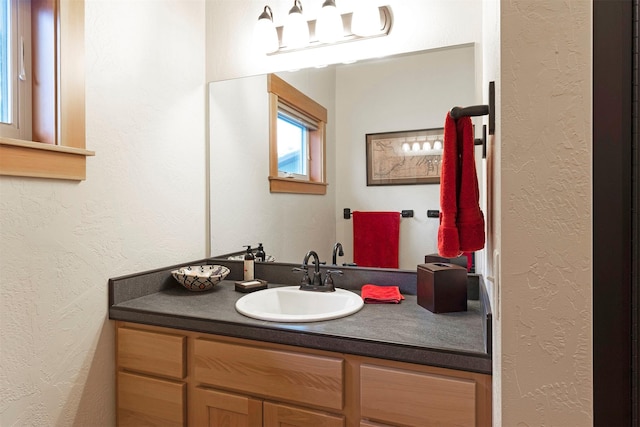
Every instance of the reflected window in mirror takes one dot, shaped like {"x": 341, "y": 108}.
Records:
{"x": 56, "y": 147}
{"x": 297, "y": 158}
{"x": 293, "y": 140}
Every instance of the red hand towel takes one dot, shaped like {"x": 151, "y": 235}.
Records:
{"x": 470, "y": 221}
{"x": 461, "y": 220}
{"x": 376, "y": 238}
{"x": 373, "y": 294}
{"x": 448, "y": 242}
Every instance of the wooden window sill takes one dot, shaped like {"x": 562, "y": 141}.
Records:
{"x": 292, "y": 185}
{"x": 38, "y": 160}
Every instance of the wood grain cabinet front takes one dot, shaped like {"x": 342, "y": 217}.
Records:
{"x": 214, "y": 408}
{"x": 280, "y": 375}
{"x": 422, "y": 399}
{"x": 152, "y": 352}
{"x": 279, "y": 415}
{"x": 148, "y": 401}
{"x": 168, "y": 377}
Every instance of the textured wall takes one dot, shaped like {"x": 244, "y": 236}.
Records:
{"x": 142, "y": 206}
{"x": 545, "y": 195}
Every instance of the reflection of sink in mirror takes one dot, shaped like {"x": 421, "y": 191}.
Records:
{"x": 290, "y": 304}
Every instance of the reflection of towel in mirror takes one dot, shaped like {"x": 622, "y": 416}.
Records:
{"x": 461, "y": 220}
{"x": 376, "y": 238}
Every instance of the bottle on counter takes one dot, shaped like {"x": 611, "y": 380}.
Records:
{"x": 260, "y": 254}
{"x": 249, "y": 264}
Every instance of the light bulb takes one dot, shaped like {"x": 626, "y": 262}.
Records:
{"x": 296, "y": 29}
{"x": 329, "y": 23}
{"x": 365, "y": 20}
{"x": 405, "y": 146}
{"x": 437, "y": 145}
{"x": 265, "y": 36}
{"x": 426, "y": 146}
{"x": 415, "y": 146}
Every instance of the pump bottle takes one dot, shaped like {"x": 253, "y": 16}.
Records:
{"x": 260, "y": 254}
{"x": 249, "y": 264}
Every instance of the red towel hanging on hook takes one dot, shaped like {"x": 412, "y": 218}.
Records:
{"x": 461, "y": 220}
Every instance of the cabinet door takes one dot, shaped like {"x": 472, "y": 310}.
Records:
{"x": 366, "y": 423}
{"x": 277, "y": 415}
{"x": 212, "y": 408}
{"x": 145, "y": 401}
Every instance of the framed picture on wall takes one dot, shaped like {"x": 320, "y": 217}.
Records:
{"x": 404, "y": 157}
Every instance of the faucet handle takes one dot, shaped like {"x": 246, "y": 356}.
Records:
{"x": 328, "y": 280}
{"x": 305, "y": 279}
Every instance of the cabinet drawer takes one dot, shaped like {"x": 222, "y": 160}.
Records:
{"x": 149, "y": 401}
{"x": 282, "y": 375}
{"x": 152, "y": 352}
{"x": 416, "y": 398}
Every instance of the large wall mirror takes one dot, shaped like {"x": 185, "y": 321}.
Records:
{"x": 406, "y": 92}
{"x": 42, "y": 133}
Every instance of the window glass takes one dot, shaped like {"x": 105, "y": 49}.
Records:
{"x": 5, "y": 57}
{"x": 292, "y": 145}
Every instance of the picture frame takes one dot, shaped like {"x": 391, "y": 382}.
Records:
{"x": 404, "y": 157}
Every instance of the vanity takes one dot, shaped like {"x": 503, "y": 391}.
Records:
{"x": 189, "y": 358}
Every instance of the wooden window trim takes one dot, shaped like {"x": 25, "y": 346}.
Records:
{"x": 279, "y": 90}
{"x": 67, "y": 160}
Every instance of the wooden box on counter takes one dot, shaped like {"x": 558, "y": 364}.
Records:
{"x": 442, "y": 287}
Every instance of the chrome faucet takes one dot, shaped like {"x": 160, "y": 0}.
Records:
{"x": 315, "y": 283}
{"x": 337, "y": 250}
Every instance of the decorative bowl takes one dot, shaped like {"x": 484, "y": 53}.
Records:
{"x": 200, "y": 277}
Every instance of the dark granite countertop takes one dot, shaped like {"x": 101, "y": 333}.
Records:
{"x": 405, "y": 332}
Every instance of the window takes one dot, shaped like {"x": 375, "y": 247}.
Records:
{"x": 15, "y": 59}
{"x": 64, "y": 157}
{"x": 296, "y": 140}
{"x": 5, "y": 69}
{"x": 292, "y": 146}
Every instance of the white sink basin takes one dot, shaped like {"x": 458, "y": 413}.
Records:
{"x": 290, "y": 304}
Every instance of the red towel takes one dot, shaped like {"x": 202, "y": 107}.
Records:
{"x": 373, "y": 294}
{"x": 376, "y": 238}
{"x": 461, "y": 220}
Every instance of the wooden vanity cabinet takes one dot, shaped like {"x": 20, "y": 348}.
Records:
{"x": 174, "y": 377}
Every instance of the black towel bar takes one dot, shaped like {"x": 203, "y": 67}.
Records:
{"x": 480, "y": 110}
{"x": 406, "y": 213}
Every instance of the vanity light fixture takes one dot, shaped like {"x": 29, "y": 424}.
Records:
{"x": 365, "y": 21}
{"x": 265, "y": 36}
{"x": 295, "y": 33}
{"x": 329, "y": 28}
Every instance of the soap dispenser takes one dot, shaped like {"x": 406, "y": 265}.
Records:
{"x": 260, "y": 255}
{"x": 249, "y": 264}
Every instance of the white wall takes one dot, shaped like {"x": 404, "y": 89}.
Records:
{"x": 408, "y": 93}
{"x": 141, "y": 207}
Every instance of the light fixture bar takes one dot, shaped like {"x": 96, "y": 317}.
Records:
{"x": 348, "y": 36}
